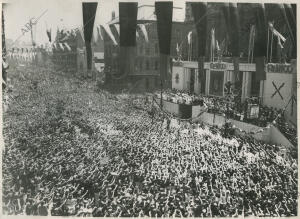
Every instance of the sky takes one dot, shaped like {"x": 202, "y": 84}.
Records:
{"x": 57, "y": 13}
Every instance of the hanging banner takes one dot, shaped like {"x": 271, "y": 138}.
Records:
{"x": 128, "y": 25}
{"x": 199, "y": 10}
{"x": 88, "y": 12}
{"x": 164, "y": 15}
{"x": 260, "y": 46}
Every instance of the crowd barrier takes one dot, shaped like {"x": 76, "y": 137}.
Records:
{"x": 269, "y": 135}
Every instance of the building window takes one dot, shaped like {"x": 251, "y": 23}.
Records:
{"x": 156, "y": 48}
{"x": 141, "y": 64}
{"x": 147, "y": 65}
{"x": 147, "y": 50}
{"x": 141, "y": 49}
{"x": 156, "y": 65}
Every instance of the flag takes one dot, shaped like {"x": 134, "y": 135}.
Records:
{"x": 117, "y": 28}
{"x": 61, "y": 46}
{"x": 189, "y": 37}
{"x": 212, "y": 44}
{"x": 67, "y": 45}
{"x": 89, "y": 12}
{"x": 144, "y": 31}
{"x": 289, "y": 13}
{"x": 275, "y": 32}
{"x": 251, "y": 43}
{"x": 100, "y": 33}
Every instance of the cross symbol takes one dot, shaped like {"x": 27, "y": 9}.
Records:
{"x": 277, "y": 90}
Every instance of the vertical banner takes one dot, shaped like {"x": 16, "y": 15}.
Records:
{"x": 88, "y": 11}
{"x": 260, "y": 46}
{"x": 234, "y": 35}
{"x": 199, "y": 11}
{"x": 164, "y": 15}
{"x": 128, "y": 25}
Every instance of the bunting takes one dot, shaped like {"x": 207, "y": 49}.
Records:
{"x": 109, "y": 33}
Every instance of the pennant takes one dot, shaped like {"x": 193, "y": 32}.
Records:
{"x": 89, "y": 12}
{"x": 100, "y": 33}
{"x": 68, "y": 47}
{"x": 117, "y": 27}
{"x": 61, "y": 46}
{"x": 144, "y": 31}
{"x": 189, "y": 37}
{"x": 109, "y": 33}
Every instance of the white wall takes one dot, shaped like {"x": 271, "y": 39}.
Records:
{"x": 269, "y": 89}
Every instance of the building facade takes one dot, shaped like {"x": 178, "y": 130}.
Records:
{"x": 146, "y": 66}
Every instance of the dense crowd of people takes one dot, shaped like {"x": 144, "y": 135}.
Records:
{"x": 236, "y": 110}
{"x": 132, "y": 163}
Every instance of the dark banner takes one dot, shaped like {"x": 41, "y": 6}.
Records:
{"x": 260, "y": 45}
{"x": 89, "y": 11}
{"x": 128, "y": 23}
{"x": 164, "y": 14}
{"x": 185, "y": 111}
{"x": 199, "y": 10}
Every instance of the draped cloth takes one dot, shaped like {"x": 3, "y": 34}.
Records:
{"x": 89, "y": 11}
{"x": 164, "y": 15}
{"x": 128, "y": 25}
{"x": 199, "y": 11}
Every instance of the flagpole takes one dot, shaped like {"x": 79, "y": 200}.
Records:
{"x": 271, "y": 47}
{"x": 268, "y": 43}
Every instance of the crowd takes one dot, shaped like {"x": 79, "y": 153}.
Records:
{"x": 111, "y": 159}
{"x": 179, "y": 97}
{"x": 236, "y": 110}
